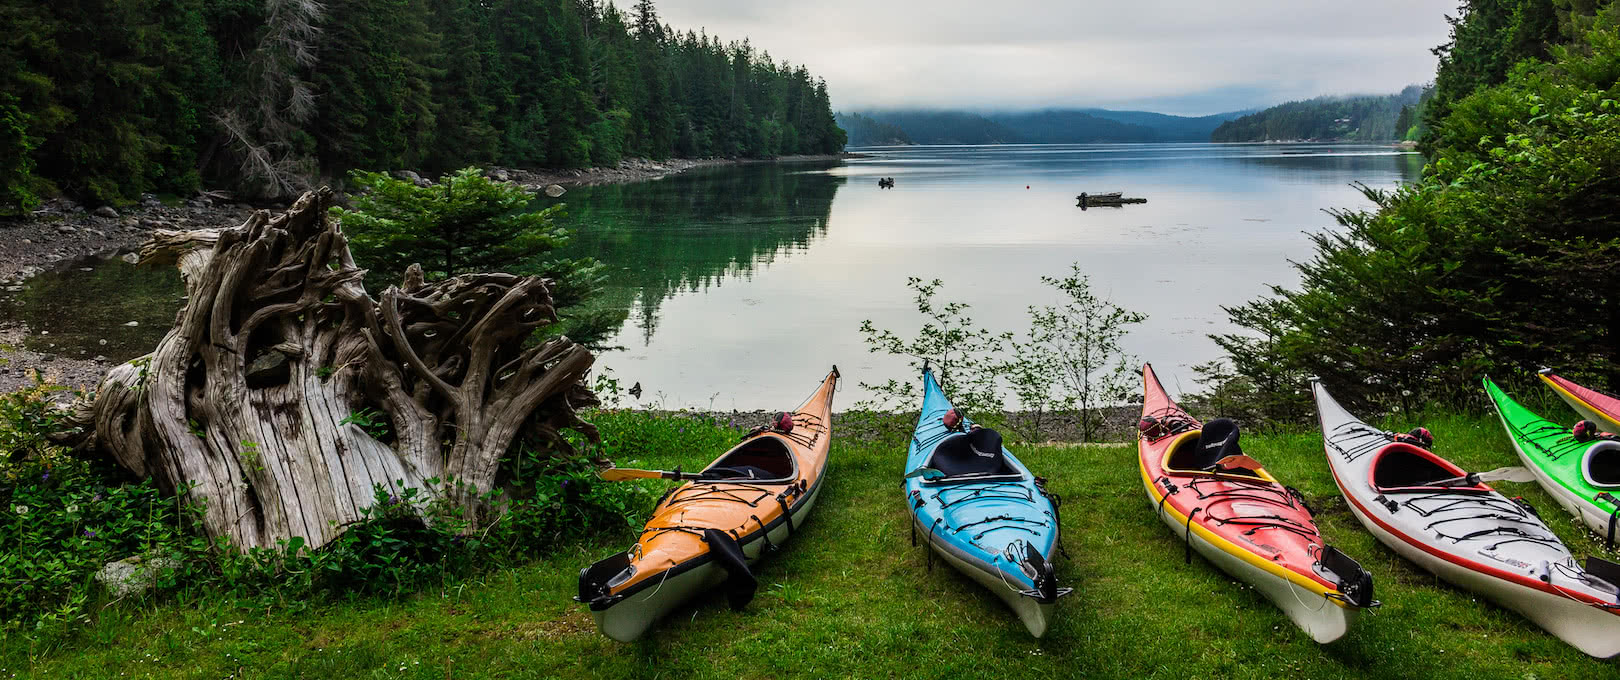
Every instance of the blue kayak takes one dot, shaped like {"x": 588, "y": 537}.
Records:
{"x": 981, "y": 509}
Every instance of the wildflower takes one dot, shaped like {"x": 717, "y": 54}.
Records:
{"x": 97, "y": 497}
{"x": 89, "y": 533}
{"x": 44, "y": 476}
{"x": 72, "y": 508}
{"x": 393, "y": 500}
{"x": 564, "y": 484}
{"x": 20, "y": 509}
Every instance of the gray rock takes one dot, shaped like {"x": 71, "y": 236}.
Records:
{"x": 131, "y": 257}
{"x": 132, "y": 575}
{"x": 65, "y": 229}
{"x": 408, "y": 176}
{"x": 500, "y": 175}
{"x": 555, "y": 190}
{"x": 106, "y": 211}
{"x": 132, "y": 324}
{"x": 47, "y": 358}
{"x": 270, "y": 368}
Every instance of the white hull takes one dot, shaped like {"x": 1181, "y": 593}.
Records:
{"x": 1323, "y": 619}
{"x": 1521, "y": 575}
{"x": 1587, "y": 628}
{"x": 628, "y": 619}
{"x": 1030, "y": 611}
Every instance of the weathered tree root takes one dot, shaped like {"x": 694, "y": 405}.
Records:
{"x": 243, "y": 404}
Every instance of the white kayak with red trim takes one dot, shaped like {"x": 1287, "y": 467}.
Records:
{"x": 1467, "y": 534}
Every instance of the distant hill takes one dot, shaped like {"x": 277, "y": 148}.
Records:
{"x": 1051, "y": 126}
{"x": 863, "y": 131}
{"x": 944, "y": 127}
{"x": 1360, "y": 118}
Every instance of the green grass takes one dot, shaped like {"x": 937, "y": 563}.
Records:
{"x": 850, "y": 597}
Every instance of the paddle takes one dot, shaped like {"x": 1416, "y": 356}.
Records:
{"x": 618, "y": 474}
{"x": 1238, "y": 462}
{"x": 926, "y": 473}
{"x": 1507, "y": 474}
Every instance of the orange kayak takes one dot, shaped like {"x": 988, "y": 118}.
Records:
{"x": 706, "y": 532}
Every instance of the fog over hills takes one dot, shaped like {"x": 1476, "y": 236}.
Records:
{"x": 1049, "y": 126}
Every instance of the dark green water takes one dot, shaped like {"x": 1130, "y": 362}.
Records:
{"x": 741, "y": 285}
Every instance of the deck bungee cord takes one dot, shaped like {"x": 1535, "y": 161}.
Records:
{"x": 1223, "y": 504}
{"x": 981, "y": 510}
{"x": 707, "y": 531}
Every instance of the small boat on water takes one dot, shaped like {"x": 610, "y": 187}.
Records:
{"x": 706, "y": 532}
{"x": 1581, "y": 472}
{"x": 981, "y": 510}
{"x": 1109, "y": 199}
{"x": 1447, "y": 521}
{"x": 1223, "y": 505}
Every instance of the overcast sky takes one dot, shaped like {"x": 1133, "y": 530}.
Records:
{"x": 1173, "y": 56}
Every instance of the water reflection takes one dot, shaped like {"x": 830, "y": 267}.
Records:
{"x": 697, "y": 230}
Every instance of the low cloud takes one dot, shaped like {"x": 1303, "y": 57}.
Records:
{"x": 1167, "y": 55}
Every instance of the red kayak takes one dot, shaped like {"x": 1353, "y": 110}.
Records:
{"x": 1603, "y": 409}
{"x": 1224, "y": 505}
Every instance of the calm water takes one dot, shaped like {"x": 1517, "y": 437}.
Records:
{"x": 708, "y": 262}
{"x": 741, "y": 285}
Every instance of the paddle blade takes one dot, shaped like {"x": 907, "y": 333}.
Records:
{"x": 1238, "y": 462}
{"x": 1507, "y": 474}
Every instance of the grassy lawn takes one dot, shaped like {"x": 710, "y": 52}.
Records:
{"x": 850, "y": 597}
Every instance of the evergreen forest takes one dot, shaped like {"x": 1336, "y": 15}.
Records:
{"x": 1356, "y": 118}
{"x": 103, "y": 100}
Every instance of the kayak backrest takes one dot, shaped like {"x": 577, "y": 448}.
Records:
{"x": 1402, "y": 466}
{"x": 1601, "y": 465}
{"x": 1201, "y": 451}
{"x": 976, "y": 452}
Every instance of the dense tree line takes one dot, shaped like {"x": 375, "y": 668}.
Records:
{"x": 106, "y": 99}
{"x": 1497, "y": 262}
{"x": 1363, "y": 118}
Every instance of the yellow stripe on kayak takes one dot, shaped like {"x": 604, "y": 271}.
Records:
{"x": 1581, "y": 404}
{"x": 1233, "y": 548}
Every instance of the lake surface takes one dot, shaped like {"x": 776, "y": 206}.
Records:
{"x": 741, "y": 285}
{"x": 708, "y": 261}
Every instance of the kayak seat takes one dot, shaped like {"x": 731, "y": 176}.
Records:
{"x": 1216, "y": 441}
{"x": 1602, "y": 465}
{"x": 977, "y": 452}
{"x": 1404, "y": 466}
{"x": 760, "y": 458}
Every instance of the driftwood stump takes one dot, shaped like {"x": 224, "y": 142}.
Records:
{"x": 242, "y": 405}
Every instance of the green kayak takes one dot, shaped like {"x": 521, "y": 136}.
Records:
{"x": 1581, "y": 475}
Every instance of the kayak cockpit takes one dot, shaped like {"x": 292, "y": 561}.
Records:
{"x": 1212, "y": 450}
{"x": 761, "y": 459}
{"x": 1601, "y": 465}
{"x": 1404, "y": 467}
{"x": 975, "y": 455}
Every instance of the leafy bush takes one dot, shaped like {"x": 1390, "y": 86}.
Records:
{"x": 468, "y": 223}
{"x": 63, "y": 518}
{"x": 1069, "y": 360}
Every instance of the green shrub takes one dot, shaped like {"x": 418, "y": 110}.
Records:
{"x": 63, "y": 518}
